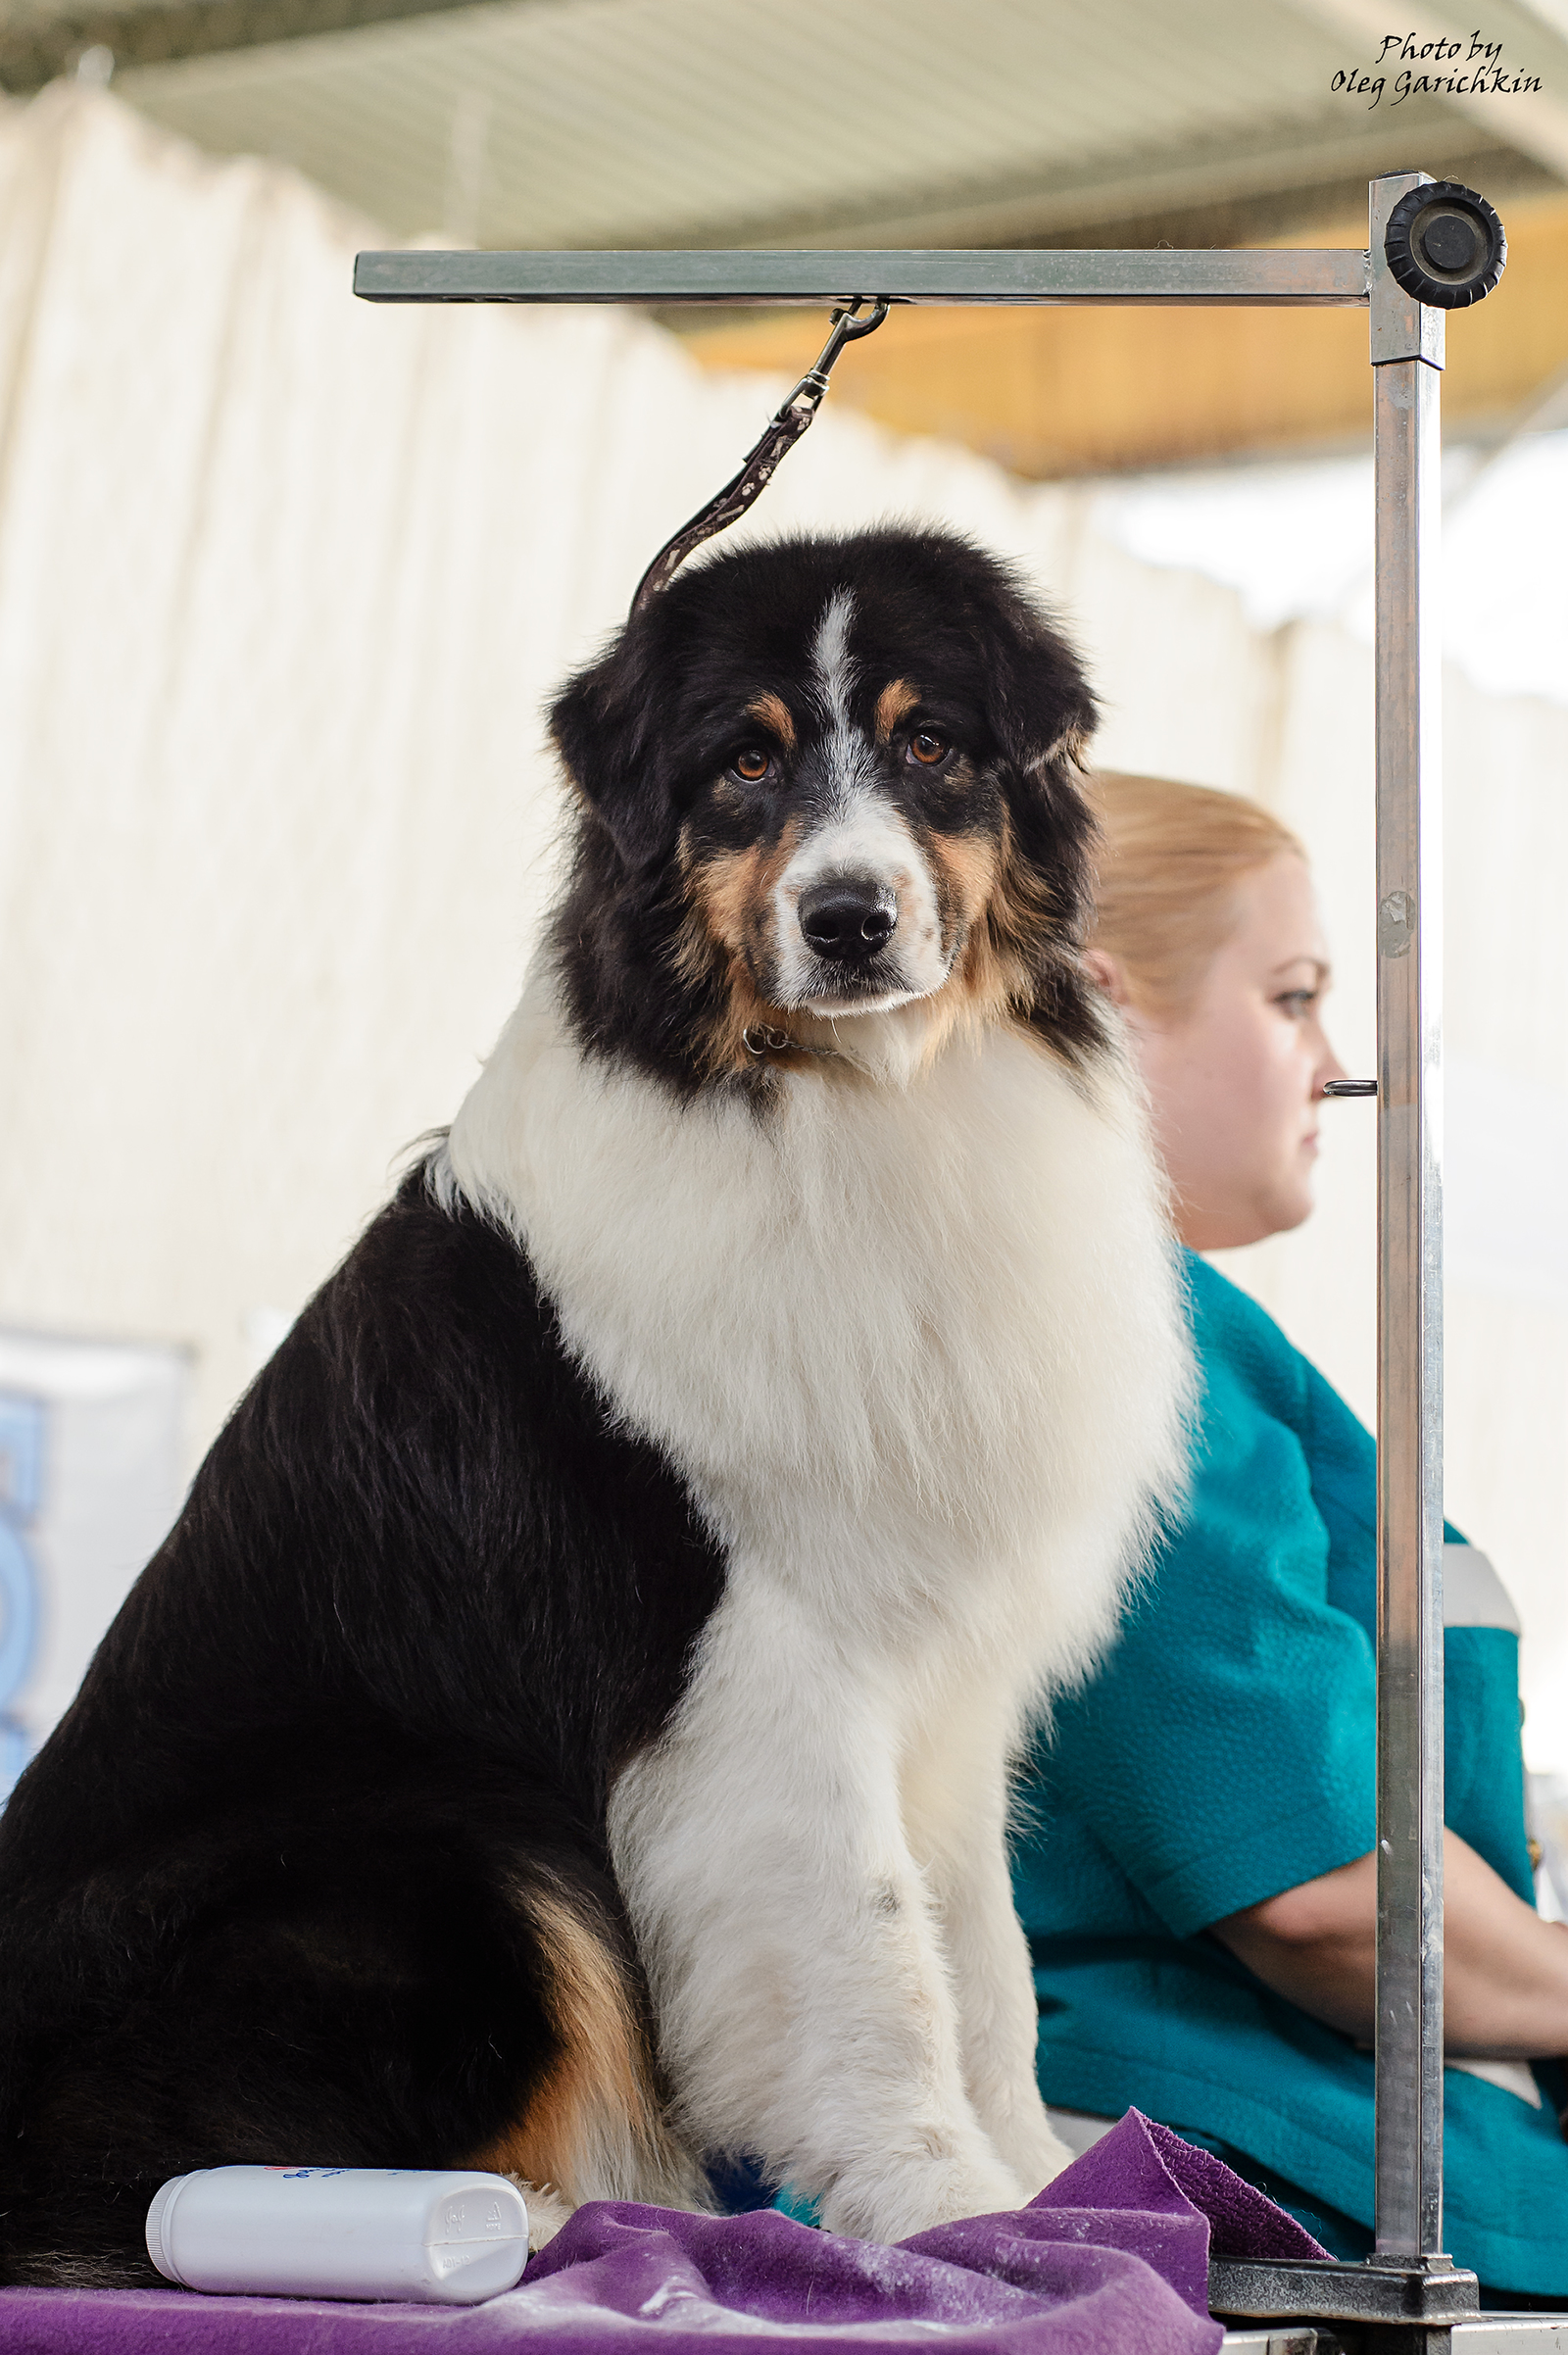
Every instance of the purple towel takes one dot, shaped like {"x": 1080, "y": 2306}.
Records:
{"x": 1112, "y": 2255}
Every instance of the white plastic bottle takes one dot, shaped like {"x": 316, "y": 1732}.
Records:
{"x": 441, "y": 2239}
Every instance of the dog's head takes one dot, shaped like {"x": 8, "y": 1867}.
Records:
{"x": 824, "y": 779}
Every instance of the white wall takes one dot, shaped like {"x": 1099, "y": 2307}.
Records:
{"x": 285, "y": 580}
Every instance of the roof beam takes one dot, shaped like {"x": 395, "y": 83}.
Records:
{"x": 39, "y": 45}
{"x": 1317, "y": 163}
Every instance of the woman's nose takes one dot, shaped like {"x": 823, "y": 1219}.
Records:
{"x": 1329, "y": 1067}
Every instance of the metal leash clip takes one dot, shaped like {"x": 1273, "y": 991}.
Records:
{"x": 779, "y": 437}
{"x": 847, "y": 326}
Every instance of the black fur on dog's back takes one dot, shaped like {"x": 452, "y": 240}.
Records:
{"x": 314, "y": 1870}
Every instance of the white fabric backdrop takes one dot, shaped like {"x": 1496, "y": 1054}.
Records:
{"x": 284, "y": 582}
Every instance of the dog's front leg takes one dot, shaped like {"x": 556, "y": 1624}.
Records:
{"x": 804, "y": 2015}
{"x": 955, "y": 1796}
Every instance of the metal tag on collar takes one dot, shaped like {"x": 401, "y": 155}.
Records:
{"x": 779, "y": 437}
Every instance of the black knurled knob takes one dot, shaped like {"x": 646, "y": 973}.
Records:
{"x": 1444, "y": 245}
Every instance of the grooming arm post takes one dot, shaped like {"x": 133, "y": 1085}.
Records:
{"x": 1407, "y": 344}
{"x": 1448, "y": 250}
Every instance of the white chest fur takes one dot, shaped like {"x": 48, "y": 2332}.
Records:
{"x": 913, "y": 1341}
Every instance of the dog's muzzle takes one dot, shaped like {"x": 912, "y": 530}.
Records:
{"x": 846, "y": 921}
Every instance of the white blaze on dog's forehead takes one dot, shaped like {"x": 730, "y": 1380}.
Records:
{"x": 850, "y": 760}
{"x": 831, "y": 657}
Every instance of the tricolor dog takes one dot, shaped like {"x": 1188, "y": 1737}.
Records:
{"x": 567, "y": 1730}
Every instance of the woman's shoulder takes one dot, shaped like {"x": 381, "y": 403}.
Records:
{"x": 1231, "y": 1327}
{"x": 1243, "y": 1351}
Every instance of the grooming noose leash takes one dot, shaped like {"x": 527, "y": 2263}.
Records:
{"x": 726, "y": 507}
{"x": 779, "y": 437}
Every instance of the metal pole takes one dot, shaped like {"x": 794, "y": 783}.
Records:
{"x": 1406, "y": 361}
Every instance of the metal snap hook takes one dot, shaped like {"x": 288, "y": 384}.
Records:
{"x": 846, "y": 325}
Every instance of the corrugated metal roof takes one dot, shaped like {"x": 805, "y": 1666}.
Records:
{"x": 730, "y": 121}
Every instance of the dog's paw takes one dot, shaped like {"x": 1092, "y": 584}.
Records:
{"x": 547, "y": 2211}
{"x": 891, "y": 2201}
{"x": 1033, "y": 2149}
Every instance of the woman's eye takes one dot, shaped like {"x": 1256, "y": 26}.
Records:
{"x": 753, "y": 763}
{"x": 928, "y": 746}
{"x": 1298, "y": 1003}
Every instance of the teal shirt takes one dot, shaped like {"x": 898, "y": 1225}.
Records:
{"x": 1226, "y": 1751}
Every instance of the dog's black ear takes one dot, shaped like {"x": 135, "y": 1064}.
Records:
{"x": 1041, "y": 704}
{"x": 1043, "y": 714}
{"x": 604, "y": 727}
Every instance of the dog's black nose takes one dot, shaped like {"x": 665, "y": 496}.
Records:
{"x": 846, "y": 921}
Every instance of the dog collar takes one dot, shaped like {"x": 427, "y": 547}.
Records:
{"x": 763, "y": 1039}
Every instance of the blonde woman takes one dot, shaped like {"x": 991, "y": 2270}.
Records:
{"x": 1195, "y": 1870}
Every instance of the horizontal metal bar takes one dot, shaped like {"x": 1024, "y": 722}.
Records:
{"x": 1305, "y": 2288}
{"x": 1329, "y": 274}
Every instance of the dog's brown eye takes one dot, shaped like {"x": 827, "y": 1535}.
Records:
{"x": 752, "y": 764}
{"x": 929, "y": 744}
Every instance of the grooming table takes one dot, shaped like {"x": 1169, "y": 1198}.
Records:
{"x": 1111, "y": 2259}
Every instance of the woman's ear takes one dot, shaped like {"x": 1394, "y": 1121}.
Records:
{"x": 1110, "y": 975}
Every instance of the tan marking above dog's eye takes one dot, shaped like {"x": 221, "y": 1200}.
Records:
{"x": 753, "y": 763}
{"x": 896, "y": 700}
{"x": 774, "y": 713}
{"x": 928, "y": 746}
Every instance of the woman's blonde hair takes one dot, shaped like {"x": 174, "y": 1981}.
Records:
{"x": 1169, "y": 863}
